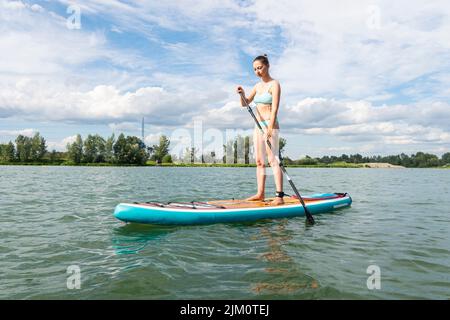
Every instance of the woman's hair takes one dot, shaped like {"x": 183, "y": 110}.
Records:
{"x": 263, "y": 59}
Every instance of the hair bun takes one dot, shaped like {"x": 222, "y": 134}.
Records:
{"x": 262, "y": 59}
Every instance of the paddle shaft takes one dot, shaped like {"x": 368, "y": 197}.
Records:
{"x": 309, "y": 217}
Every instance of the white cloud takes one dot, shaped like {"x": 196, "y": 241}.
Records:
{"x": 37, "y": 8}
{"x": 229, "y": 116}
{"x": 54, "y": 51}
{"x": 14, "y": 133}
{"x": 330, "y": 113}
{"x": 34, "y": 100}
{"x": 152, "y": 138}
{"x": 12, "y": 5}
{"x": 332, "y": 49}
{"x": 60, "y": 145}
{"x": 421, "y": 125}
{"x": 124, "y": 126}
{"x": 337, "y": 63}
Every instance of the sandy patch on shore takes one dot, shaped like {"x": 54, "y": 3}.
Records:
{"x": 381, "y": 165}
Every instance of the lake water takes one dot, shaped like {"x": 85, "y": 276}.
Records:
{"x": 55, "y": 217}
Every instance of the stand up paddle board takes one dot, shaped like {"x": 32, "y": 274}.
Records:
{"x": 225, "y": 211}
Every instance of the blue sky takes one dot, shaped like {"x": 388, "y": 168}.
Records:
{"x": 357, "y": 76}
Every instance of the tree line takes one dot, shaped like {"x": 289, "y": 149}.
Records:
{"x": 94, "y": 149}
{"x": 25, "y": 149}
{"x": 417, "y": 160}
{"x": 131, "y": 150}
{"x": 236, "y": 151}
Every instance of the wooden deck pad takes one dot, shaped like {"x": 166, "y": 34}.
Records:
{"x": 239, "y": 203}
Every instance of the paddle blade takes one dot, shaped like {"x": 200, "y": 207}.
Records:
{"x": 309, "y": 217}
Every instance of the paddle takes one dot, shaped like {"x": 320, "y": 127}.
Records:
{"x": 309, "y": 217}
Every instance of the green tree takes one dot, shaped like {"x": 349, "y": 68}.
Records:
{"x": 445, "y": 159}
{"x": 287, "y": 161}
{"x": 137, "y": 152}
{"x": 224, "y": 157}
{"x": 161, "y": 150}
{"x": 130, "y": 150}
{"x": 423, "y": 160}
{"x": 167, "y": 159}
{"x": 229, "y": 152}
{"x": 189, "y": 155}
{"x": 282, "y": 144}
{"x": 75, "y": 150}
{"x": 7, "y": 152}
{"x": 120, "y": 149}
{"x": 355, "y": 158}
{"x": 109, "y": 151}
{"x": 239, "y": 149}
{"x": 405, "y": 160}
{"x": 38, "y": 147}
{"x": 23, "y": 148}
{"x": 235, "y": 151}
{"x": 94, "y": 149}
{"x": 247, "y": 146}
{"x": 53, "y": 155}
{"x": 326, "y": 160}
{"x": 11, "y": 152}
{"x": 307, "y": 161}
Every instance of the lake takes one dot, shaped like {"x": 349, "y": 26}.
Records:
{"x": 393, "y": 243}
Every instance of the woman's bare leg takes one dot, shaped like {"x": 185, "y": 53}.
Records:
{"x": 274, "y": 163}
{"x": 258, "y": 144}
{"x": 261, "y": 182}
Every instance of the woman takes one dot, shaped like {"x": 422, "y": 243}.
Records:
{"x": 266, "y": 95}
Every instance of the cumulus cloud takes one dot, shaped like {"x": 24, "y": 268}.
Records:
{"x": 329, "y": 113}
{"x": 356, "y": 71}
{"x": 231, "y": 115}
{"x": 354, "y": 49}
{"x": 60, "y": 145}
{"x": 361, "y": 122}
{"x": 53, "y": 50}
{"x": 12, "y": 5}
{"x": 152, "y": 138}
{"x": 14, "y": 133}
{"x": 124, "y": 126}
{"x": 102, "y": 104}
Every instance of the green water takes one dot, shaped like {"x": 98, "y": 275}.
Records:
{"x": 55, "y": 217}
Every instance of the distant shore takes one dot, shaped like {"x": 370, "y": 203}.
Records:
{"x": 370, "y": 165}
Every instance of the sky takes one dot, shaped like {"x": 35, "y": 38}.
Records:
{"x": 369, "y": 77}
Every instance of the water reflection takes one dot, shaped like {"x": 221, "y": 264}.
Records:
{"x": 282, "y": 271}
{"x": 132, "y": 238}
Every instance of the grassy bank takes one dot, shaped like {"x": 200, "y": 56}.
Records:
{"x": 154, "y": 164}
{"x": 340, "y": 164}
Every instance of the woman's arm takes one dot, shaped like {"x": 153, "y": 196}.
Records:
{"x": 249, "y": 98}
{"x": 276, "y": 94}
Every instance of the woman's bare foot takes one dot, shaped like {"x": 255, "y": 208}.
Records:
{"x": 256, "y": 197}
{"x": 277, "y": 201}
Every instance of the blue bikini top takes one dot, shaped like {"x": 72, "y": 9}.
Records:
{"x": 264, "y": 98}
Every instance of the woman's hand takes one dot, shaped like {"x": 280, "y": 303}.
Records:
{"x": 269, "y": 132}
{"x": 241, "y": 92}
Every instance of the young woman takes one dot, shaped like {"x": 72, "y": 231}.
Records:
{"x": 266, "y": 95}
